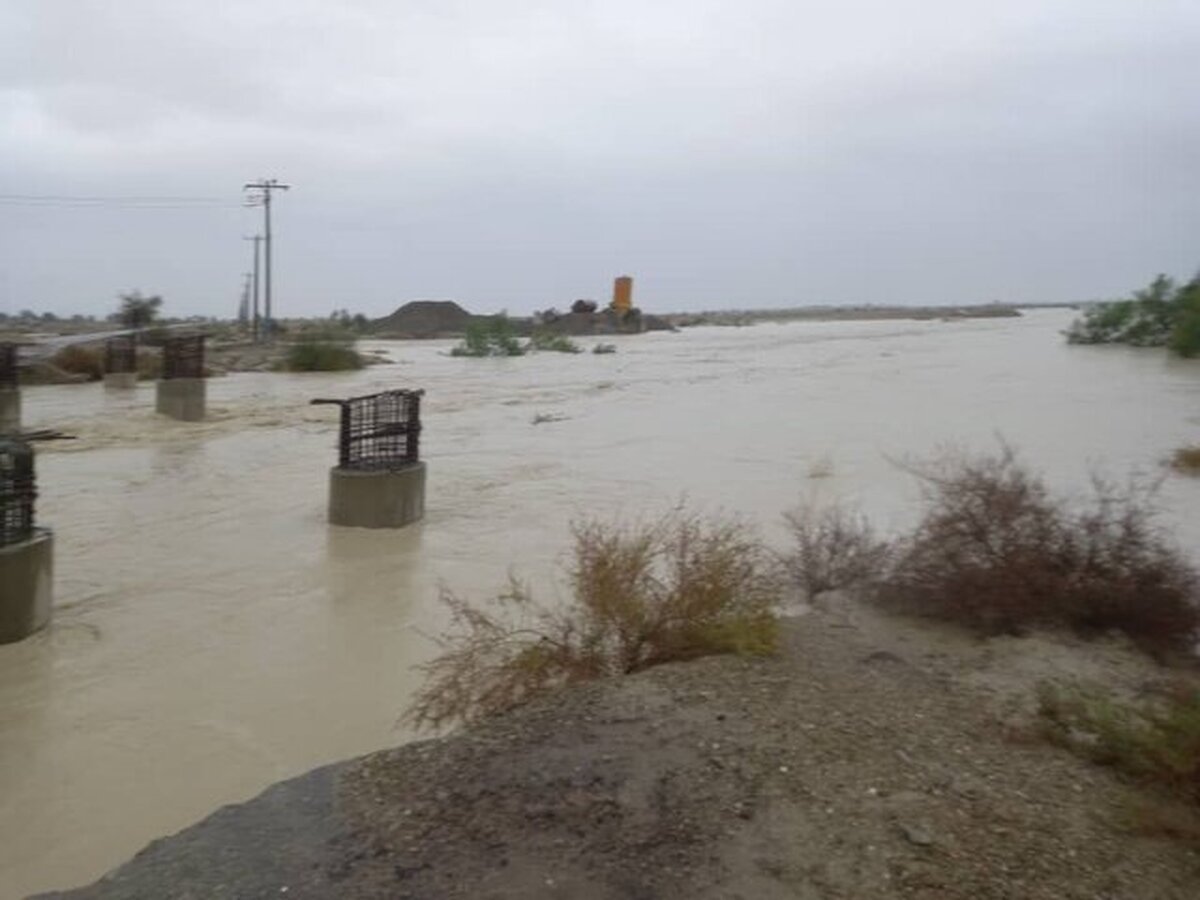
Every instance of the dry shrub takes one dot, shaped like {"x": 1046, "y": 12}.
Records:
{"x": 1155, "y": 816}
{"x": 1155, "y": 741}
{"x": 80, "y": 360}
{"x": 643, "y": 595}
{"x": 997, "y": 551}
{"x": 835, "y": 547}
{"x": 1187, "y": 460}
{"x": 149, "y": 365}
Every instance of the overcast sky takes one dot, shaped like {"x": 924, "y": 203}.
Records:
{"x": 521, "y": 153}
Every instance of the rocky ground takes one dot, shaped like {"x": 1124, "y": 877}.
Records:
{"x": 872, "y": 758}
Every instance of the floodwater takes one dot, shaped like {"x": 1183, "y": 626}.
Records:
{"x": 212, "y": 634}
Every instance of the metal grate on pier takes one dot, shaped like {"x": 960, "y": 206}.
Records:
{"x": 379, "y": 431}
{"x": 183, "y": 357}
{"x": 17, "y": 491}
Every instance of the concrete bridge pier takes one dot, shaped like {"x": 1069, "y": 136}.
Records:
{"x": 182, "y": 398}
{"x": 10, "y": 410}
{"x": 26, "y": 585}
{"x": 377, "y": 498}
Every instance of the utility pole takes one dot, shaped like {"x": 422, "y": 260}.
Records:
{"x": 263, "y": 188}
{"x": 254, "y": 286}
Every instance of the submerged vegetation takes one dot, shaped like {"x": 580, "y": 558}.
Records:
{"x": 556, "y": 343}
{"x": 1164, "y": 314}
{"x": 676, "y": 589}
{"x": 494, "y": 336}
{"x": 497, "y": 336}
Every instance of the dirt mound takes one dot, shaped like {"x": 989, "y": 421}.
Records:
{"x": 424, "y": 319}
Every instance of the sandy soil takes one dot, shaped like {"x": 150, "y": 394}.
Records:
{"x": 874, "y": 758}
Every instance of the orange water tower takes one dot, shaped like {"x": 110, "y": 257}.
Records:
{"x": 623, "y": 294}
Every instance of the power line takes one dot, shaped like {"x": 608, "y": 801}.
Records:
{"x": 156, "y": 202}
{"x": 82, "y": 198}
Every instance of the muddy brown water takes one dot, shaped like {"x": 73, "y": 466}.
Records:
{"x": 212, "y": 634}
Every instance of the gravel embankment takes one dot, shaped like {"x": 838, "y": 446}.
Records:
{"x": 866, "y": 761}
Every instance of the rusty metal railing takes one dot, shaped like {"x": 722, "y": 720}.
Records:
{"x": 183, "y": 357}
{"x": 379, "y": 431}
{"x": 120, "y": 354}
{"x": 17, "y": 491}
{"x": 8, "y": 366}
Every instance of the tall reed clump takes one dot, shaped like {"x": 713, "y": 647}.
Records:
{"x": 997, "y": 551}
{"x": 642, "y": 595}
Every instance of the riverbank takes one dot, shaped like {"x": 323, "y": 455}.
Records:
{"x": 874, "y": 757}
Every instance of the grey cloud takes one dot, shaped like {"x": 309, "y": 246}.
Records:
{"x": 521, "y": 152}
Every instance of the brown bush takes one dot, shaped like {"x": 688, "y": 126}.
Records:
{"x": 149, "y": 365}
{"x": 997, "y": 551}
{"x": 834, "y": 547}
{"x": 1187, "y": 460}
{"x": 643, "y": 595}
{"x": 79, "y": 359}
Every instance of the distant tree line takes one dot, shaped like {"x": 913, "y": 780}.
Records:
{"x": 28, "y": 315}
{"x": 1164, "y": 314}
{"x": 138, "y": 311}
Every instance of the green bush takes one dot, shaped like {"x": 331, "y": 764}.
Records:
{"x": 493, "y": 336}
{"x": 1155, "y": 741}
{"x": 321, "y": 356}
{"x": 677, "y": 589}
{"x": 1185, "y": 334}
{"x": 1162, "y": 315}
{"x": 604, "y": 348}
